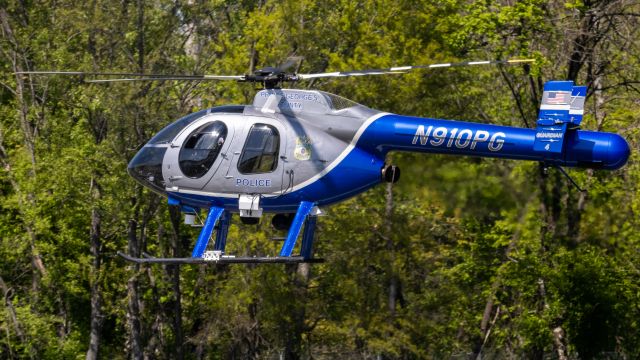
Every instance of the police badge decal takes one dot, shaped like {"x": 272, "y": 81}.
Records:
{"x": 303, "y": 148}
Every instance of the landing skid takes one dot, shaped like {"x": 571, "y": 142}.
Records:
{"x": 305, "y": 217}
{"x": 222, "y": 260}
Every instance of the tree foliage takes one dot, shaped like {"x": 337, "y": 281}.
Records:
{"x": 464, "y": 257}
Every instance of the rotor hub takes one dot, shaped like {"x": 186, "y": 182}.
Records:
{"x": 271, "y": 78}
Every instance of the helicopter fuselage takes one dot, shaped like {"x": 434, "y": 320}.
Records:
{"x": 291, "y": 146}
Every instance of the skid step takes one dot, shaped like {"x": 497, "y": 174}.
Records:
{"x": 223, "y": 259}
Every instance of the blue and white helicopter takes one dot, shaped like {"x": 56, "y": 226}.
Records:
{"x": 294, "y": 151}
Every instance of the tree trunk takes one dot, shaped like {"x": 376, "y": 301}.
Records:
{"x": 134, "y": 244}
{"x": 7, "y": 294}
{"x": 394, "y": 282}
{"x": 300, "y": 274}
{"x": 96, "y": 296}
{"x": 133, "y": 313}
{"x": 174, "y": 214}
{"x": 558, "y": 332}
{"x": 140, "y": 39}
{"x": 486, "y": 324}
{"x": 550, "y": 212}
{"x": 29, "y": 130}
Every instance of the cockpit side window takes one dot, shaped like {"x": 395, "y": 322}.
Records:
{"x": 260, "y": 152}
{"x": 201, "y": 149}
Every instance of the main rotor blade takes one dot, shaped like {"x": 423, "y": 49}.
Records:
{"x": 97, "y": 77}
{"x": 79, "y": 73}
{"x": 402, "y": 69}
{"x": 165, "y": 78}
{"x": 133, "y": 76}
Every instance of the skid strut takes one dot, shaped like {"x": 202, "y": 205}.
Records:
{"x": 205, "y": 233}
{"x": 305, "y": 216}
{"x": 301, "y": 216}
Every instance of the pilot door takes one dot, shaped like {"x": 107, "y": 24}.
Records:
{"x": 258, "y": 157}
{"x": 198, "y": 152}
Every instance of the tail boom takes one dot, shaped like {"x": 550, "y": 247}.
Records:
{"x": 580, "y": 148}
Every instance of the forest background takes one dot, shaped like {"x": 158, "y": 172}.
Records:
{"x": 463, "y": 258}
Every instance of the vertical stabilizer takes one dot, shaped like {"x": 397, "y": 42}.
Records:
{"x": 561, "y": 109}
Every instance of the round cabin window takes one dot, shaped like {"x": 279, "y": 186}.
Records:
{"x": 201, "y": 149}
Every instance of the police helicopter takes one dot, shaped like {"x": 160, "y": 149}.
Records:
{"x": 294, "y": 151}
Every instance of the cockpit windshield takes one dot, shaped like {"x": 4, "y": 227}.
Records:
{"x": 167, "y": 134}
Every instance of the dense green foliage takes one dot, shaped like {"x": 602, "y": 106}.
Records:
{"x": 463, "y": 257}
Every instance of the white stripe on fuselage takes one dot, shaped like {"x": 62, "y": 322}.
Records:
{"x": 342, "y": 155}
{"x": 311, "y": 180}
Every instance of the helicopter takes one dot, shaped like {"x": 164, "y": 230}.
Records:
{"x": 293, "y": 151}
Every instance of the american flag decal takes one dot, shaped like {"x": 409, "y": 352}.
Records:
{"x": 558, "y": 98}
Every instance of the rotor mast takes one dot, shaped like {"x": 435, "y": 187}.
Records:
{"x": 270, "y": 77}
